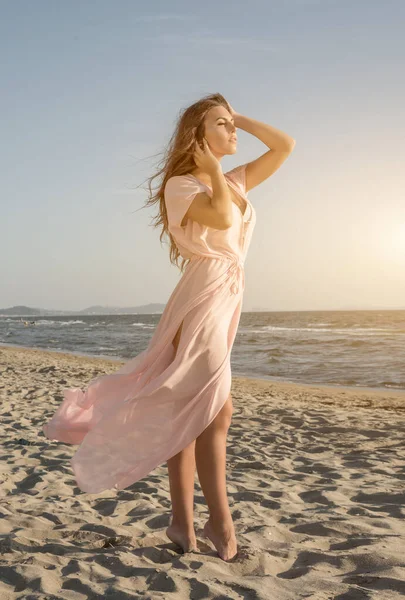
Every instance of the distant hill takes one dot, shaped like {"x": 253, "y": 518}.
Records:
{"x": 27, "y": 311}
{"x": 145, "y": 309}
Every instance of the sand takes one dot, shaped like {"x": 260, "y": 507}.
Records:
{"x": 315, "y": 479}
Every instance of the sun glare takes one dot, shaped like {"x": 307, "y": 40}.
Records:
{"x": 398, "y": 239}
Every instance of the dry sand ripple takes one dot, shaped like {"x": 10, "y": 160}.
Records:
{"x": 316, "y": 484}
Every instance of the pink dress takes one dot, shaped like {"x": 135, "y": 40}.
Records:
{"x": 132, "y": 420}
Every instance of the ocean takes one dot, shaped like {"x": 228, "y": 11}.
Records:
{"x": 341, "y": 348}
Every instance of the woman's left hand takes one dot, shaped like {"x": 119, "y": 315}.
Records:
{"x": 234, "y": 114}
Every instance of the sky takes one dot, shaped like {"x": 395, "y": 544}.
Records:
{"x": 91, "y": 92}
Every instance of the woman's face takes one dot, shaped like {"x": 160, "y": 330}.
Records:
{"x": 220, "y": 131}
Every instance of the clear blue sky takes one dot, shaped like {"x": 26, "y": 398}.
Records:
{"x": 91, "y": 91}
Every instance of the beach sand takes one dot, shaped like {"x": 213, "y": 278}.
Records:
{"x": 316, "y": 486}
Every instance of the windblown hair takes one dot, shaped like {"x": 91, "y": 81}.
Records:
{"x": 178, "y": 160}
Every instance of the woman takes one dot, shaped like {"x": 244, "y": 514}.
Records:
{"x": 172, "y": 401}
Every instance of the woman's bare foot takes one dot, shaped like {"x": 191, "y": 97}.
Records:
{"x": 223, "y": 538}
{"x": 187, "y": 542}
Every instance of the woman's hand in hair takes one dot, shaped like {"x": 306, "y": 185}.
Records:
{"x": 204, "y": 159}
{"x": 234, "y": 114}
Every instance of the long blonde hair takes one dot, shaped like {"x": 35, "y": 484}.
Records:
{"x": 178, "y": 160}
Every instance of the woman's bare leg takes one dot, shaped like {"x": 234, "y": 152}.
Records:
{"x": 181, "y": 469}
{"x": 210, "y": 453}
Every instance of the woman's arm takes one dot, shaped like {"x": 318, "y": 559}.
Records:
{"x": 272, "y": 137}
{"x": 281, "y": 145}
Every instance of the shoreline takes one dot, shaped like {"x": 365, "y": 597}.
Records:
{"x": 340, "y": 395}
